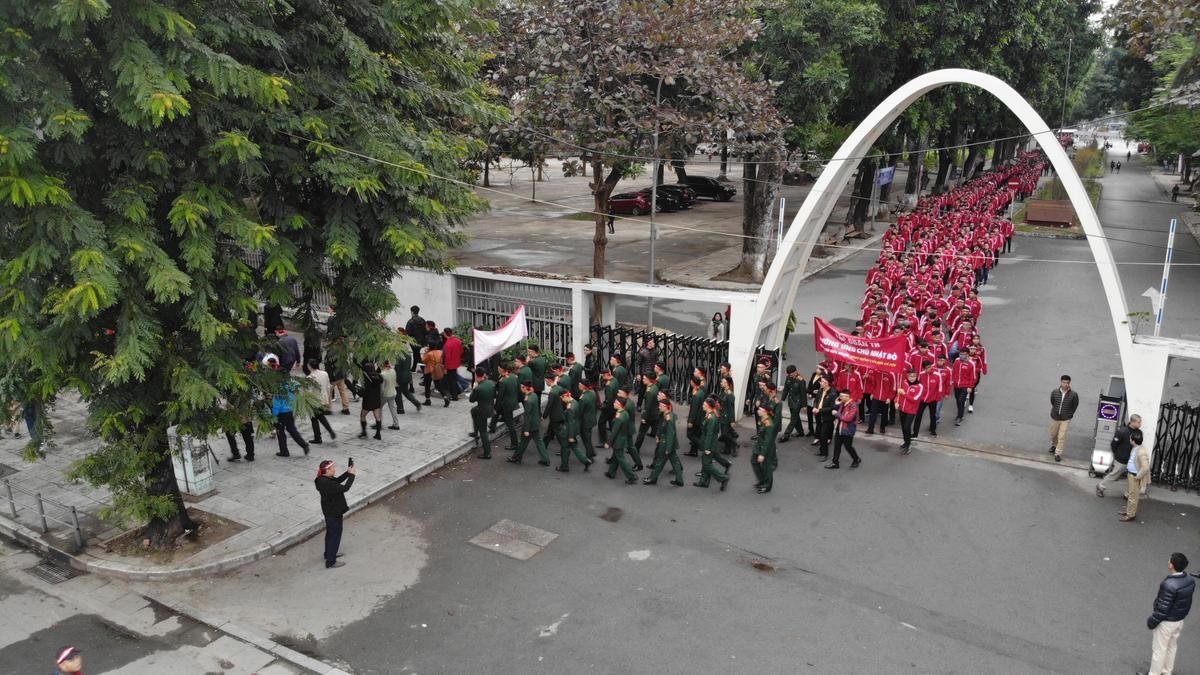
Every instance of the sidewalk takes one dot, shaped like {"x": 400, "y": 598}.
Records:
{"x": 1188, "y": 217}
{"x": 272, "y": 498}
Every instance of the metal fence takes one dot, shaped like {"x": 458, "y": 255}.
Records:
{"x": 681, "y": 354}
{"x": 1176, "y": 461}
{"x": 487, "y": 303}
{"x": 20, "y": 499}
{"x": 322, "y": 299}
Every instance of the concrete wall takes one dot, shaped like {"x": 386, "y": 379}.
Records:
{"x": 433, "y": 293}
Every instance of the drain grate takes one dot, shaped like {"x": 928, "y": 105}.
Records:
{"x": 52, "y": 572}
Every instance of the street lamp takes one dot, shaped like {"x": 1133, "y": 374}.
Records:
{"x": 653, "y": 204}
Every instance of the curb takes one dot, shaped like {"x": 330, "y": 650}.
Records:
{"x": 284, "y": 541}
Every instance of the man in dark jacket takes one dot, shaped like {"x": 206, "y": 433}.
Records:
{"x": 1063, "y": 402}
{"x": 1121, "y": 446}
{"x": 643, "y": 365}
{"x": 415, "y": 328}
{"x": 1171, "y": 607}
{"x": 333, "y": 506}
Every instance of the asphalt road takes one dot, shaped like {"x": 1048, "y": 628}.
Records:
{"x": 930, "y": 563}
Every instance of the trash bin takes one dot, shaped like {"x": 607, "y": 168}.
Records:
{"x": 193, "y": 462}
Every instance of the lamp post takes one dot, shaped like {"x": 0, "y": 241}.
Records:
{"x": 653, "y": 204}
{"x": 1062, "y": 119}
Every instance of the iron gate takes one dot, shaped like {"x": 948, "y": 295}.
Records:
{"x": 487, "y": 303}
{"x": 680, "y": 354}
{"x": 1176, "y": 461}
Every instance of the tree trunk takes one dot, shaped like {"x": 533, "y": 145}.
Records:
{"x": 601, "y": 189}
{"x": 160, "y": 482}
{"x": 969, "y": 164}
{"x": 487, "y": 163}
{"x": 724, "y": 163}
{"x": 916, "y": 165}
{"x": 945, "y": 158}
{"x": 760, "y": 187}
{"x": 658, "y": 178}
{"x": 680, "y": 171}
{"x": 862, "y": 191}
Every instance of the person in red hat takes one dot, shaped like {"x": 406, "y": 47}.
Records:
{"x": 68, "y": 661}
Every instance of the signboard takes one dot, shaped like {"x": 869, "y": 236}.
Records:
{"x": 1109, "y": 410}
{"x": 1014, "y": 184}
{"x": 885, "y": 176}
{"x": 885, "y": 353}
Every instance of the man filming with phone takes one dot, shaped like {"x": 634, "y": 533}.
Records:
{"x": 333, "y": 505}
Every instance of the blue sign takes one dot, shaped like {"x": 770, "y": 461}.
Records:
{"x": 885, "y": 175}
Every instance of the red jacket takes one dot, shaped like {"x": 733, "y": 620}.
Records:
{"x": 910, "y": 400}
{"x": 964, "y": 374}
{"x": 881, "y": 385}
{"x": 452, "y": 352}
{"x": 931, "y": 382}
{"x": 850, "y": 381}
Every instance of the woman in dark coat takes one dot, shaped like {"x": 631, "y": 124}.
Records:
{"x": 372, "y": 398}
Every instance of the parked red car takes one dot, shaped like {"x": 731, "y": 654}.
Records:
{"x": 633, "y": 203}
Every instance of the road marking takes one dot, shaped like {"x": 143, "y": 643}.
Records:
{"x": 639, "y": 555}
{"x": 908, "y": 625}
{"x": 552, "y": 629}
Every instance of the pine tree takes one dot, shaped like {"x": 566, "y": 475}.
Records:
{"x": 150, "y": 150}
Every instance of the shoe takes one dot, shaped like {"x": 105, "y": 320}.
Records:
{"x": 363, "y": 435}
{"x": 855, "y": 463}
{"x": 647, "y": 481}
{"x": 562, "y": 469}
{"x": 958, "y": 422}
{"x": 783, "y": 439}
{"x": 631, "y": 481}
{"x": 1100, "y": 492}
{"x": 588, "y": 466}
{"x": 283, "y": 454}
{"x": 691, "y": 454}
{"x": 332, "y": 436}
{"x": 610, "y": 476}
{"x": 1127, "y": 518}
{"x": 639, "y": 467}
{"x": 235, "y": 458}
{"x": 394, "y": 427}
{"x": 905, "y": 450}
{"x": 419, "y": 406}
{"x": 249, "y": 458}
{"x": 345, "y": 411}
{"x": 724, "y": 484}
{"x": 487, "y": 456}
{"x": 677, "y": 483}
{"x": 513, "y": 460}
{"x": 815, "y": 441}
{"x": 833, "y": 466}
{"x": 1058, "y": 458}
{"x": 543, "y": 463}
{"x": 314, "y": 441}
{"x": 933, "y": 433}
{"x": 336, "y": 563}
{"x": 699, "y": 474}
{"x": 970, "y": 408}
{"x": 305, "y": 447}
{"x": 761, "y": 490}
{"x": 1051, "y": 450}
{"x": 869, "y": 432}
{"x": 510, "y": 448}
{"x": 427, "y": 402}
{"x": 445, "y": 403}
{"x": 474, "y": 434}
{"x": 703, "y": 485}
{"x": 823, "y": 455}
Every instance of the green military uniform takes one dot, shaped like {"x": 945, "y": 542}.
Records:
{"x": 695, "y": 420}
{"x": 664, "y": 382}
{"x": 404, "y": 386}
{"x": 587, "y": 420}
{"x": 508, "y": 393}
{"x": 795, "y": 392}
{"x": 530, "y": 431}
{"x": 537, "y": 368}
{"x": 575, "y": 372}
{"x": 608, "y": 411}
{"x": 483, "y": 395}
{"x": 620, "y": 442}
{"x": 553, "y": 412}
{"x": 570, "y": 435}
{"x": 621, "y": 377}
{"x": 728, "y": 434}
{"x": 650, "y": 415}
{"x": 764, "y": 459}
{"x": 667, "y": 450}
{"x": 708, "y": 452}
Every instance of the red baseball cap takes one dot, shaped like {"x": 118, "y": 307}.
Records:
{"x": 68, "y": 652}
{"x": 325, "y": 464}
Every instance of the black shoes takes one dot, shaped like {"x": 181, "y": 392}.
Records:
{"x": 906, "y": 449}
{"x": 703, "y": 485}
{"x": 831, "y": 465}
{"x": 314, "y": 441}
{"x": 394, "y": 427}
{"x": 543, "y": 463}
{"x": 647, "y": 481}
{"x": 631, "y": 481}
{"x": 562, "y": 469}
{"x": 677, "y": 483}
{"x": 283, "y": 454}
{"x": 305, "y": 448}
{"x": 513, "y": 460}
{"x": 724, "y": 484}
{"x": 783, "y": 439}
{"x": 854, "y": 464}
{"x": 427, "y": 402}
{"x": 345, "y": 411}
{"x": 474, "y": 434}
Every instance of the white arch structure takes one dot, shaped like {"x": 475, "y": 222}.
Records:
{"x": 1145, "y": 366}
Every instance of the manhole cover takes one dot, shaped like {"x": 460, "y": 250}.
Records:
{"x": 513, "y": 539}
{"x": 52, "y": 572}
{"x": 6, "y": 470}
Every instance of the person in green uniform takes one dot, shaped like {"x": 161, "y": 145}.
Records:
{"x": 404, "y": 383}
{"x": 708, "y": 447}
{"x": 575, "y": 372}
{"x": 570, "y": 434}
{"x": 668, "y": 444}
{"x": 483, "y": 395}
{"x": 763, "y": 459}
{"x": 537, "y": 368}
{"x": 776, "y": 405}
{"x": 607, "y": 411}
{"x": 695, "y": 418}
{"x": 795, "y": 393}
{"x": 729, "y": 435}
{"x": 661, "y": 378}
{"x": 529, "y": 428}
{"x": 649, "y": 423}
{"x": 508, "y": 393}
{"x": 524, "y": 373}
{"x": 620, "y": 372}
{"x": 587, "y": 417}
{"x": 625, "y": 394}
{"x": 620, "y": 443}
{"x": 553, "y": 413}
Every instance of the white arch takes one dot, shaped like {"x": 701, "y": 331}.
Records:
{"x": 1144, "y": 367}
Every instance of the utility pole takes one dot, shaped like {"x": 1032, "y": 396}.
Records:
{"x": 653, "y": 205}
{"x": 1062, "y": 120}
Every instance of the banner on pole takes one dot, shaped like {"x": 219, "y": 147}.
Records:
{"x": 885, "y": 353}
{"x": 491, "y": 342}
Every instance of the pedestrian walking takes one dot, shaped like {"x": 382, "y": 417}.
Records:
{"x": 728, "y": 434}
{"x": 415, "y": 329}
{"x": 717, "y": 330}
{"x": 695, "y": 418}
{"x": 619, "y": 442}
{"x": 389, "y": 391}
{"x": 649, "y": 421}
{"x": 667, "y": 448}
{"x": 908, "y": 401}
{"x": 643, "y": 365}
{"x": 964, "y": 375}
{"x": 288, "y": 349}
{"x": 1138, "y": 475}
{"x": 1175, "y": 193}
{"x": 708, "y": 444}
{"x": 608, "y": 411}
{"x": 795, "y": 392}
{"x": 1122, "y": 446}
{"x": 508, "y": 396}
{"x": 846, "y": 414}
{"x": 332, "y": 489}
{"x": 1118, "y": 167}
{"x": 612, "y": 223}
{"x": 246, "y": 430}
{"x": 312, "y": 344}
{"x": 1171, "y": 606}
{"x": 404, "y": 381}
{"x": 538, "y": 367}
{"x": 570, "y": 434}
{"x": 763, "y": 460}
{"x": 372, "y": 399}
{"x": 435, "y": 374}
{"x": 483, "y": 395}
{"x": 1063, "y": 403}
{"x": 338, "y": 365}
{"x": 591, "y": 363}
{"x": 823, "y": 402}
{"x": 319, "y": 419}
{"x": 1112, "y": 165}
{"x": 529, "y": 429}
{"x": 553, "y": 413}
{"x": 68, "y": 661}
{"x": 587, "y": 417}
{"x": 283, "y": 406}
{"x": 452, "y": 354}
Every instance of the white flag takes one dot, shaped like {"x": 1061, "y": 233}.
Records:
{"x": 489, "y": 342}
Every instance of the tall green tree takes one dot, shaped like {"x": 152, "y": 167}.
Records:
{"x": 151, "y": 150}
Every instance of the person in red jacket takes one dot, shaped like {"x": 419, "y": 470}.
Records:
{"x": 965, "y": 375}
{"x": 930, "y": 395}
{"x": 881, "y": 385}
{"x": 908, "y": 401}
{"x": 452, "y": 354}
{"x": 846, "y": 414}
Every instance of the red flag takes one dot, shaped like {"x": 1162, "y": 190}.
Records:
{"x": 883, "y": 353}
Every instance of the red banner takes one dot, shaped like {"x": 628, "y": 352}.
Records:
{"x": 885, "y": 353}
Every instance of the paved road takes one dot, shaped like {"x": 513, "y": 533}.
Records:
{"x": 926, "y": 563}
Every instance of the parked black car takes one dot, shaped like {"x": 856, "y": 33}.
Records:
{"x": 680, "y": 193}
{"x": 666, "y": 203}
{"x": 710, "y": 187}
